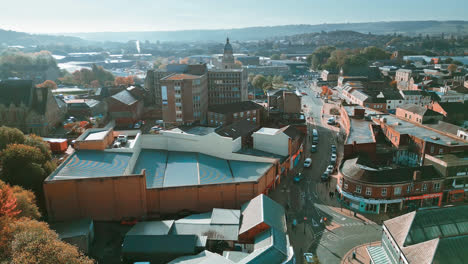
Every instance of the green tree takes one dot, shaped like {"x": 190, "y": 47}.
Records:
{"x": 278, "y": 79}
{"x": 374, "y": 53}
{"x": 26, "y": 203}
{"x": 275, "y": 57}
{"x": 320, "y": 57}
{"x": 258, "y": 81}
{"x": 10, "y": 135}
{"x": 25, "y": 166}
{"x": 283, "y": 57}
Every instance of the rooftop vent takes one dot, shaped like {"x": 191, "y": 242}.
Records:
{"x": 452, "y": 143}
{"x": 435, "y": 137}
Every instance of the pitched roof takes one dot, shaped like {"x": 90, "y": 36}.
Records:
{"x": 16, "y": 92}
{"x": 125, "y": 97}
{"x": 270, "y": 246}
{"x": 234, "y": 107}
{"x": 262, "y": 209}
{"x": 454, "y": 107}
{"x": 204, "y": 257}
{"x": 292, "y": 132}
{"x": 237, "y": 129}
{"x": 420, "y": 110}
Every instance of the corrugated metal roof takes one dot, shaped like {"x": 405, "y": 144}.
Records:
{"x": 225, "y": 216}
{"x": 125, "y": 97}
{"x": 200, "y": 224}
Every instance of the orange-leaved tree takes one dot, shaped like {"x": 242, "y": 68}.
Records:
{"x": 8, "y": 205}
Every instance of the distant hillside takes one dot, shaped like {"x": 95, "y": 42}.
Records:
{"x": 9, "y": 37}
{"x": 259, "y": 33}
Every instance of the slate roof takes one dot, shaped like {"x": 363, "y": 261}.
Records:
{"x": 19, "y": 92}
{"x": 454, "y": 107}
{"x": 293, "y": 132}
{"x": 234, "y": 107}
{"x": 262, "y": 209}
{"x": 238, "y": 129}
{"x": 361, "y": 170}
{"x": 420, "y": 110}
{"x": 125, "y": 97}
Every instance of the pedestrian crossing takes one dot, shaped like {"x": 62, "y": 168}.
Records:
{"x": 352, "y": 224}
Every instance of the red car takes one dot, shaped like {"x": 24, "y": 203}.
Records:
{"x": 304, "y": 93}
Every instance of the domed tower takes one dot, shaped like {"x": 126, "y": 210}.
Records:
{"x": 228, "y": 56}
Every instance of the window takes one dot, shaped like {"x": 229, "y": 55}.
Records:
{"x": 242, "y": 114}
{"x": 235, "y": 115}
{"x": 409, "y": 188}
{"x": 368, "y": 191}
{"x": 436, "y": 186}
{"x": 397, "y": 191}
{"x": 432, "y": 149}
{"x": 424, "y": 188}
{"x": 346, "y": 186}
{"x": 384, "y": 191}
{"x": 254, "y": 119}
{"x": 358, "y": 188}
{"x": 441, "y": 150}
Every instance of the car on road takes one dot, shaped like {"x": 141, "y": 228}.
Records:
{"x": 330, "y": 169}
{"x": 333, "y": 159}
{"x": 317, "y": 95}
{"x": 333, "y": 149}
{"x": 313, "y": 149}
{"x": 298, "y": 177}
{"x": 137, "y": 125}
{"x": 309, "y": 258}
{"x": 303, "y": 93}
{"x": 331, "y": 121}
{"x": 307, "y": 162}
{"x": 325, "y": 176}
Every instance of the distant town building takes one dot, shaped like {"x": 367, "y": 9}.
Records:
{"x": 28, "y": 108}
{"x": 285, "y": 102}
{"x": 454, "y": 112}
{"x": 86, "y": 107}
{"x": 329, "y": 75}
{"x": 248, "y": 60}
{"x": 227, "y": 86}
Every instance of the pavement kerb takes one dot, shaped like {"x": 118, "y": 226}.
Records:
{"x": 345, "y": 257}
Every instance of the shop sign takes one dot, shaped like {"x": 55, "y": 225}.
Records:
{"x": 425, "y": 196}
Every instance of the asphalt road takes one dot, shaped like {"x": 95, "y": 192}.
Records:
{"x": 309, "y": 200}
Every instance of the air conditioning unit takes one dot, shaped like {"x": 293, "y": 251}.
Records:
{"x": 435, "y": 137}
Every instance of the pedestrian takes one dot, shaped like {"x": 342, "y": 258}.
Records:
{"x": 354, "y": 254}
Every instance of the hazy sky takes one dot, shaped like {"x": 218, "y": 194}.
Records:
{"x": 143, "y": 15}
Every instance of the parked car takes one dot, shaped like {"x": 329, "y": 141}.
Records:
{"x": 325, "y": 176}
{"x": 333, "y": 159}
{"x": 298, "y": 177}
{"x": 122, "y": 139}
{"x": 313, "y": 149}
{"x": 304, "y": 93}
{"x": 307, "y": 162}
{"x": 330, "y": 169}
{"x": 117, "y": 144}
{"x": 333, "y": 149}
{"x": 309, "y": 258}
{"x": 137, "y": 125}
{"x": 331, "y": 121}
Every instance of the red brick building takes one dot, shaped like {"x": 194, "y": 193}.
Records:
{"x": 125, "y": 107}
{"x": 368, "y": 188}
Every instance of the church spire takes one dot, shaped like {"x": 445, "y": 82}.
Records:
{"x": 227, "y": 40}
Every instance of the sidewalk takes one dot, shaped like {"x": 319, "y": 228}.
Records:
{"x": 362, "y": 256}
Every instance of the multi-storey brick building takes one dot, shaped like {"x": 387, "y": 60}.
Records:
{"x": 184, "y": 98}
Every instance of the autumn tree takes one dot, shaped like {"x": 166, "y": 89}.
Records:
{"x": 452, "y": 68}
{"x": 283, "y": 57}
{"x": 48, "y": 84}
{"x": 124, "y": 81}
{"x": 8, "y": 205}
{"x": 26, "y": 203}
{"x": 31, "y": 241}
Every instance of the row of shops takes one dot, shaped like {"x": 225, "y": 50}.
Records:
{"x": 377, "y": 206}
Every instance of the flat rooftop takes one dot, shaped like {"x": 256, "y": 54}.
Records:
{"x": 172, "y": 169}
{"x": 194, "y": 130}
{"x": 405, "y": 127}
{"x": 93, "y": 164}
{"x": 267, "y": 131}
{"x": 97, "y": 135}
{"x": 360, "y": 131}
